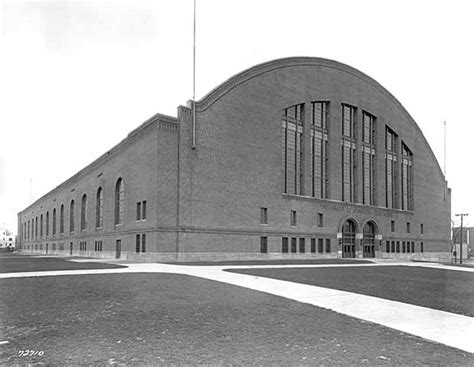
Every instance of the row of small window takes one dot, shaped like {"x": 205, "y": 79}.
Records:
{"x": 406, "y": 246}
{"x": 293, "y": 218}
{"x": 408, "y": 228}
{"x": 320, "y": 220}
{"x": 60, "y": 247}
{"x": 298, "y": 245}
{"x": 31, "y": 230}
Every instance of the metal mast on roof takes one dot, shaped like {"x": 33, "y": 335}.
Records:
{"x": 194, "y": 80}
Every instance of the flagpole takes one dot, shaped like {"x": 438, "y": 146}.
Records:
{"x": 194, "y": 80}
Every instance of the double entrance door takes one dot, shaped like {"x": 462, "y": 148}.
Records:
{"x": 349, "y": 240}
{"x": 368, "y": 242}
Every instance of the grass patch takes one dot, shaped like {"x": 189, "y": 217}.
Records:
{"x": 445, "y": 290}
{"x": 18, "y": 263}
{"x": 167, "y": 319}
{"x": 272, "y": 262}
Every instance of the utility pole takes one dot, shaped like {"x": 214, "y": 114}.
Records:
{"x": 460, "y": 236}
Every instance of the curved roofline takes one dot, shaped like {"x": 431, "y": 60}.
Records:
{"x": 221, "y": 90}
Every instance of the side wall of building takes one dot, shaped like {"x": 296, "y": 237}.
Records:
{"x": 146, "y": 162}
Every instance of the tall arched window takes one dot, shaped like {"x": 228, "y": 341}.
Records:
{"x": 54, "y": 221}
{"x": 71, "y": 217}
{"x": 47, "y": 223}
{"x": 36, "y": 227}
{"x": 99, "y": 208}
{"x": 61, "y": 219}
{"x": 41, "y": 225}
{"x": 119, "y": 202}
{"x": 84, "y": 212}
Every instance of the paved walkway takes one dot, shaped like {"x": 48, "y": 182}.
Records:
{"x": 439, "y": 326}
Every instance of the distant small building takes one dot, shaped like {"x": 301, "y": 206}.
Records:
{"x": 467, "y": 241}
{"x": 7, "y": 239}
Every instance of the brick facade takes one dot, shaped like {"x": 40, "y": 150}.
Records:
{"x": 205, "y": 203}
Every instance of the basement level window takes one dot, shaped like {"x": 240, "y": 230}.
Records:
{"x": 263, "y": 245}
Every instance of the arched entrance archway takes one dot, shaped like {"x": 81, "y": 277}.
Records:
{"x": 368, "y": 242}
{"x": 348, "y": 239}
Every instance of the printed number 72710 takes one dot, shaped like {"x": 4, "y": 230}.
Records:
{"x": 30, "y": 353}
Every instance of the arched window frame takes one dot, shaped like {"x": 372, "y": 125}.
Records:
{"x": 84, "y": 212}
{"x": 61, "y": 219}
{"x": 54, "y": 221}
{"x": 71, "y": 217}
{"x": 119, "y": 202}
{"x": 47, "y": 223}
{"x": 99, "y": 209}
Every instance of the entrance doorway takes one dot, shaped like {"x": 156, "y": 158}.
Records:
{"x": 118, "y": 248}
{"x": 348, "y": 239}
{"x": 368, "y": 243}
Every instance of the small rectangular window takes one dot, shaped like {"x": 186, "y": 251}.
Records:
{"x": 408, "y": 227}
{"x": 143, "y": 242}
{"x": 313, "y": 245}
{"x": 263, "y": 216}
{"x": 137, "y": 243}
{"x": 328, "y": 245}
{"x": 144, "y": 210}
{"x": 293, "y": 218}
{"x": 139, "y": 211}
{"x": 392, "y": 225}
{"x": 320, "y": 245}
{"x": 293, "y": 244}
{"x": 320, "y": 220}
{"x": 302, "y": 245}
{"x": 422, "y": 230}
{"x": 284, "y": 245}
{"x": 263, "y": 245}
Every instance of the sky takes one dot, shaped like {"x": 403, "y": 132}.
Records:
{"x": 77, "y": 76}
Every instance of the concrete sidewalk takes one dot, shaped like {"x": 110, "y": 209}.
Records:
{"x": 454, "y": 330}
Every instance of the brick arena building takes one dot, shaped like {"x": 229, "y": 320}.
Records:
{"x": 298, "y": 157}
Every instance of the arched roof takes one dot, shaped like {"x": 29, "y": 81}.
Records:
{"x": 221, "y": 90}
